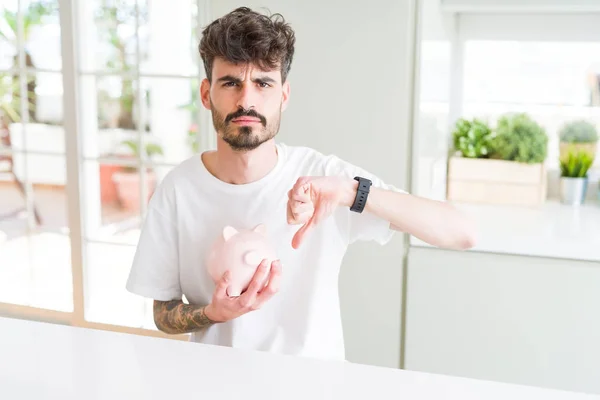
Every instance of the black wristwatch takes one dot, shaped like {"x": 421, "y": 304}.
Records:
{"x": 364, "y": 186}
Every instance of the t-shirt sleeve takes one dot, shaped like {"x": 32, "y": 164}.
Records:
{"x": 155, "y": 270}
{"x": 363, "y": 226}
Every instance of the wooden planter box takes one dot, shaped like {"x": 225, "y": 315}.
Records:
{"x": 477, "y": 180}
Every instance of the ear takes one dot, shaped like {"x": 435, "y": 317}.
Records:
{"x": 229, "y": 232}
{"x": 205, "y": 93}
{"x": 260, "y": 228}
{"x": 286, "y": 95}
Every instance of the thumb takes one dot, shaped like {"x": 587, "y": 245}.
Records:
{"x": 308, "y": 226}
{"x": 301, "y": 233}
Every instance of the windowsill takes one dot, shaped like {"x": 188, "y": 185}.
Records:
{"x": 553, "y": 230}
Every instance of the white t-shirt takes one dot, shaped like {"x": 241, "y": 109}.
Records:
{"x": 189, "y": 210}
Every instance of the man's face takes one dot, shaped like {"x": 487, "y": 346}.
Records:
{"x": 246, "y": 103}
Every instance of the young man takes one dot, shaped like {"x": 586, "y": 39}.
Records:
{"x": 313, "y": 207}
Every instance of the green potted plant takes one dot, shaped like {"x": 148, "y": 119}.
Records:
{"x": 576, "y": 136}
{"x": 501, "y": 165}
{"x": 574, "y": 176}
{"x": 519, "y": 138}
{"x": 128, "y": 179}
{"x": 472, "y": 139}
{"x": 33, "y": 16}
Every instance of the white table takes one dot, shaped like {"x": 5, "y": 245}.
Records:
{"x": 47, "y": 361}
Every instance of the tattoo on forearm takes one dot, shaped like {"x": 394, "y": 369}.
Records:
{"x": 176, "y": 317}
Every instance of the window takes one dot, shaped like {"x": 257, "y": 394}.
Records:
{"x": 554, "y": 82}
{"x": 66, "y": 246}
{"x": 35, "y": 251}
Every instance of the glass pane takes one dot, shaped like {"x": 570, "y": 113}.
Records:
{"x": 109, "y": 36}
{"x": 15, "y": 287}
{"x": 172, "y": 118}
{"x": 15, "y": 108}
{"x": 108, "y": 40}
{"x": 110, "y": 115}
{"x": 41, "y": 34}
{"x": 554, "y": 83}
{"x": 51, "y": 280}
{"x": 551, "y": 73}
{"x": 47, "y": 170}
{"x": 111, "y": 206}
{"x": 107, "y": 300}
{"x": 433, "y": 106}
{"x": 44, "y": 130}
{"x": 8, "y": 34}
{"x": 108, "y": 264}
{"x": 14, "y": 260}
{"x": 35, "y": 253}
{"x": 169, "y": 48}
{"x": 156, "y": 173}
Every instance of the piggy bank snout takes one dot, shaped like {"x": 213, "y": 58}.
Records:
{"x": 252, "y": 258}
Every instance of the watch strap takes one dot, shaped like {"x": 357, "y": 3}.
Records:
{"x": 362, "y": 193}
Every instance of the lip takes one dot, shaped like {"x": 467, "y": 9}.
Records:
{"x": 245, "y": 120}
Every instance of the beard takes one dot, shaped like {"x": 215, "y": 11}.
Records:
{"x": 245, "y": 138}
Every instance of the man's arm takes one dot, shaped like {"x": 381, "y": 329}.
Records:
{"x": 435, "y": 222}
{"x": 176, "y": 317}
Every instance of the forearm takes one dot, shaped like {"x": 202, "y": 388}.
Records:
{"x": 435, "y": 222}
{"x": 176, "y": 317}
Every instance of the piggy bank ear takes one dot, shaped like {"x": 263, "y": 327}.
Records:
{"x": 252, "y": 258}
{"x": 260, "y": 228}
{"x": 229, "y": 232}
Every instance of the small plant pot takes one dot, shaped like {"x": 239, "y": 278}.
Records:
{"x": 128, "y": 188}
{"x": 108, "y": 189}
{"x": 573, "y": 190}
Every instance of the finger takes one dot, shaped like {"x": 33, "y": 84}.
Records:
{"x": 298, "y": 238}
{"x": 290, "y": 214}
{"x": 222, "y": 285}
{"x": 301, "y": 219}
{"x": 300, "y": 235}
{"x": 301, "y": 188}
{"x": 299, "y": 213}
{"x": 301, "y": 208}
{"x": 272, "y": 287}
{"x": 249, "y": 296}
{"x": 302, "y": 180}
{"x": 301, "y": 193}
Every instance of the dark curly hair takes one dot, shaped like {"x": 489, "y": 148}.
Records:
{"x": 245, "y": 36}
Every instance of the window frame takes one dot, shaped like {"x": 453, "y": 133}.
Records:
{"x": 72, "y": 74}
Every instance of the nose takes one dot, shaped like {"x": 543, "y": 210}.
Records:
{"x": 247, "y": 98}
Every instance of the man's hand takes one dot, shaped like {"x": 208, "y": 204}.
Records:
{"x": 224, "y": 308}
{"x": 312, "y": 199}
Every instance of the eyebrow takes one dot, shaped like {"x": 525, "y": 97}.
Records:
{"x": 231, "y": 78}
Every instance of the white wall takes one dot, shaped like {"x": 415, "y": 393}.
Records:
{"x": 520, "y": 5}
{"x": 350, "y": 96}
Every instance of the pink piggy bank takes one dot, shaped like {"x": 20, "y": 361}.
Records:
{"x": 240, "y": 252}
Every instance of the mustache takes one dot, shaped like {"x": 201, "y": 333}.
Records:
{"x": 246, "y": 113}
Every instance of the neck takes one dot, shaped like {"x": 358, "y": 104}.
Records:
{"x": 241, "y": 167}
